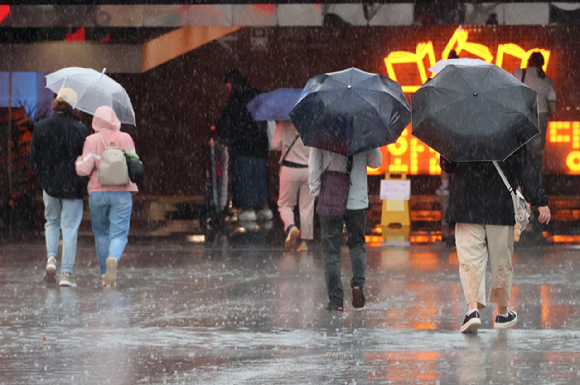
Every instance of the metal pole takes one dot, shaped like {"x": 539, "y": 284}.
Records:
{"x": 9, "y": 140}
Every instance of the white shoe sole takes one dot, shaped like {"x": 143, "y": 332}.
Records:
{"x": 472, "y": 326}
{"x": 505, "y": 325}
{"x": 50, "y": 273}
{"x": 111, "y": 274}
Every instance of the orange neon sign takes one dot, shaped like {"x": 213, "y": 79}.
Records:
{"x": 412, "y": 156}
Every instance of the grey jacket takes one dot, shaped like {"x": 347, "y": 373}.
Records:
{"x": 320, "y": 161}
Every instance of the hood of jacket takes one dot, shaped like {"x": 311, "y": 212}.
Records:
{"x": 105, "y": 119}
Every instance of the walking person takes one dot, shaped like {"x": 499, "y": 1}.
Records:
{"x": 482, "y": 209}
{"x": 354, "y": 218}
{"x": 294, "y": 183}
{"x": 248, "y": 147}
{"x": 110, "y": 206}
{"x": 534, "y": 77}
{"x": 56, "y": 143}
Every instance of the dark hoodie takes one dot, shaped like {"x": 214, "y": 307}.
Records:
{"x": 56, "y": 144}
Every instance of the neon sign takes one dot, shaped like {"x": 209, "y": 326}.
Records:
{"x": 412, "y": 156}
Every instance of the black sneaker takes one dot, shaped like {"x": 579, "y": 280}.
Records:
{"x": 358, "y": 298}
{"x": 471, "y": 323}
{"x": 334, "y": 307}
{"x": 506, "y": 322}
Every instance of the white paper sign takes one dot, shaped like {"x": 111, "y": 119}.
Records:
{"x": 396, "y": 189}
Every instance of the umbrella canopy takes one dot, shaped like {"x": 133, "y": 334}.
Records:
{"x": 461, "y": 62}
{"x": 93, "y": 89}
{"x": 474, "y": 113}
{"x": 275, "y": 105}
{"x": 351, "y": 111}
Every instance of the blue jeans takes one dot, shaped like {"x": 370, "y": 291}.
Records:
{"x": 111, "y": 219}
{"x": 65, "y": 215}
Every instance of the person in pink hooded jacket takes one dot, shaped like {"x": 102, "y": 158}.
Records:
{"x": 110, "y": 206}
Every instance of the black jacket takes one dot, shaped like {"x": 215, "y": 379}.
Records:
{"x": 245, "y": 136}
{"x": 56, "y": 144}
{"x": 477, "y": 193}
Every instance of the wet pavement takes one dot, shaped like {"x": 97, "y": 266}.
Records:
{"x": 187, "y": 314}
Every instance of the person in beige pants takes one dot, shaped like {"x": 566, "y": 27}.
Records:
{"x": 481, "y": 207}
{"x": 294, "y": 183}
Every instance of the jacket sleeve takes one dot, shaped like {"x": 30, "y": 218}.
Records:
{"x": 85, "y": 163}
{"x": 520, "y": 165}
{"x": 315, "y": 170}
{"x": 447, "y": 166}
{"x": 277, "y": 138}
{"x": 128, "y": 144}
{"x": 375, "y": 158}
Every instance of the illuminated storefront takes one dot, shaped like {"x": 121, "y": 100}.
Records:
{"x": 411, "y": 69}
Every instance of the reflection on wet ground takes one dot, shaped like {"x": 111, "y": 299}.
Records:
{"x": 185, "y": 314}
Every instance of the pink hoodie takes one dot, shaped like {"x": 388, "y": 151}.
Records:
{"x": 108, "y": 125}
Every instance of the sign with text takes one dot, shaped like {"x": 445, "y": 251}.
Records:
{"x": 395, "y": 189}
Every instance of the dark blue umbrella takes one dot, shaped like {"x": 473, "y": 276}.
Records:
{"x": 351, "y": 111}
{"x": 275, "y": 105}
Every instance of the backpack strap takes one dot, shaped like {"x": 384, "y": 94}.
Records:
{"x": 103, "y": 140}
{"x": 524, "y": 75}
{"x": 105, "y": 144}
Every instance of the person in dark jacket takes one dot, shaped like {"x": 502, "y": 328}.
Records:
{"x": 56, "y": 144}
{"x": 248, "y": 143}
{"x": 482, "y": 209}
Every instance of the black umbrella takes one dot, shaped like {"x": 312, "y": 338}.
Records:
{"x": 351, "y": 111}
{"x": 474, "y": 113}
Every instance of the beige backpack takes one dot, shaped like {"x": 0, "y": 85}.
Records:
{"x": 113, "y": 165}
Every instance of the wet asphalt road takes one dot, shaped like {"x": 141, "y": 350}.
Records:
{"x": 184, "y": 314}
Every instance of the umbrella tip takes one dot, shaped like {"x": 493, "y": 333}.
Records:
{"x": 349, "y": 86}
{"x": 102, "y": 73}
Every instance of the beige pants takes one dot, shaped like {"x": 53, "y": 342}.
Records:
{"x": 475, "y": 243}
{"x": 294, "y": 183}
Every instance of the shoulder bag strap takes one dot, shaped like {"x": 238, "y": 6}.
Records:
{"x": 288, "y": 150}
{"x": 523, "y": 75}
{"x": 503, "y": 177}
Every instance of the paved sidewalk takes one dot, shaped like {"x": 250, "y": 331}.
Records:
{"x": 255, "y": 315}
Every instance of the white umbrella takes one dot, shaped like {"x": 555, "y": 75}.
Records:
{"x": 457, "y": 62}
{"x": 93, "y": 89}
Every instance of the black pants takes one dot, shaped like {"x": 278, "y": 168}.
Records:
{"x": 331, "y": 247}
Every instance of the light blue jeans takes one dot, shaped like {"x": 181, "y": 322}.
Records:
{"x": 111, "y": 219}
{"x": 65, "y": 215}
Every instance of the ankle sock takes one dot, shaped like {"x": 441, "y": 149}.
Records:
{"x": 503, "y": 315}
{"x": 470, "y": 312}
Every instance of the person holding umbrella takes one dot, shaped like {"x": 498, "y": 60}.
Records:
{"x": 110, "y": 205}
{"x": 345, "y": 117}
{"x": 275, "y": 106}
{"x": 479, "y": 118}
{"x": 56, "y": 143}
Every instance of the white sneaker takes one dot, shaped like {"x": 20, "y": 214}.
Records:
{"x": 249, "y": 215}
{"x": 65, "y": 281}
{"x": 50, "y": 270}
{"x": 265, "y": 214}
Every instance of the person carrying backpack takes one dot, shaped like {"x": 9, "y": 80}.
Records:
{"x": 110, "y": 190}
